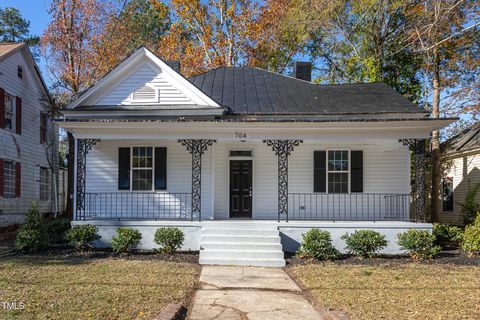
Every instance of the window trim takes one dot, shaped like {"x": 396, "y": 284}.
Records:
{"x": 453, "y": 196}
{"x": 327, "y": 150}
{"x": 14, "y": 170}
{"x": 13, "y": 113}
{"x": 20, "y": 72}
{"x": 43, "y": 129}
{"x": 47, "y": 184}
{"x": 142, "y": 168}
{"x": 153, "y": 190}
{"x": 347, "y": 172}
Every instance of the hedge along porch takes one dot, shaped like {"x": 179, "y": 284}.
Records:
{"x": 261, "y": 150}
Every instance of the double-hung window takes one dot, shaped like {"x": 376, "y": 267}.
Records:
{"x": 142, "y": 168}
{"x": 44, "y": 184}
{"x": 9, "y": 112}
{"x": 338, "y": 171}
{"x": 447, "y": 194}
{"x": 43, "y": 127}
{"x": 9, "y": 179}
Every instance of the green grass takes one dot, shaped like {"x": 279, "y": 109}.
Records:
{"x": 56, "y": 288}
{"x": 411, "y": 291}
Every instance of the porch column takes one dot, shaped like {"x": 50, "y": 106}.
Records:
{"x": 417, "y": 146}
{"x": 282, "y": 149}
{"x": 196, "y": 147}
{"x": 83, "y": 147}
{"x": 419, "y": 158}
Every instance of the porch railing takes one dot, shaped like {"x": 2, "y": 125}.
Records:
{"x": 137, "y": 205}
{"x": 352, "y": 207}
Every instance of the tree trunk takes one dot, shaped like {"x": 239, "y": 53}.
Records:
{"x": 71, "y": 176}
{"x": 436, "y": 166}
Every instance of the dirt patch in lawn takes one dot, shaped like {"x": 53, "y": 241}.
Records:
{"x": 88, "y": 286}
{"x": 406, "y": 290}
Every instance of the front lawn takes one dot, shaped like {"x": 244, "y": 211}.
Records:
{"x": 58, "y": 287}
{"x": 394, "y": 291}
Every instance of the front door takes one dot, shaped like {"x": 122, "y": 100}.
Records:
{"x": 240, "y": 188}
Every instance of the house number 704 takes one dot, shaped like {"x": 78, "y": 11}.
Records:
{"x": 240, "y": 135}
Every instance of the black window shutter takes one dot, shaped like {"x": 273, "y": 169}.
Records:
{"x": 356, "y": 174}
{"x": 319, "y": 171}
{"x": 160, "y": 168}
{"x": 123, "y": 168}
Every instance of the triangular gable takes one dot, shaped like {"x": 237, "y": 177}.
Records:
{"x": 144, "y": 79}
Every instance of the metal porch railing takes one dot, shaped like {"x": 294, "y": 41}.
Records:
{"x": 136, "y": 205}
{"x": 352, "y": 207}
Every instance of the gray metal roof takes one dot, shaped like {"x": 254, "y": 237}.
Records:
{"x": 248, "y": 90}
{"x": 468, "y": 139}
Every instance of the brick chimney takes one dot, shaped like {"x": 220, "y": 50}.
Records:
{"x": 303, "y": 70}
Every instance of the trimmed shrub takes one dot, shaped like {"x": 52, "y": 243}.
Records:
{"x": 82, "y": 237}
{"x": 57, "y": 230}
{"x": 471, "y": 237}
{"x": 318, "y": 244}
{"x": 32, "y": 235}
{"x": 364, "y": 242}
{"x": 126, "y": 240}
{"x": 420, "y": 244}
{"x": 169, "y": 239}
{"x": 447, "y": 236}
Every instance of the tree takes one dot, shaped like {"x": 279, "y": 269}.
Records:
{"x": 14, "y": 28}
{"x": 226, "y": 30}
{"x": 286, "y": 29}
{"x": 443, "y": 34}
{"x": 69, "y": 47}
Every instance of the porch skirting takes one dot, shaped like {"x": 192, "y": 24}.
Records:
{"x": 290, "y": 232}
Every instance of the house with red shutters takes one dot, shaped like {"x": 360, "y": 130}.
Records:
{"x": 28, "y": 137}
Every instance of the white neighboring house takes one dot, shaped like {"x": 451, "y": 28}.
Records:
{"x": 243, "y": 160}
{"x": 462, "y": 159}
{"x": 28, "y": 137}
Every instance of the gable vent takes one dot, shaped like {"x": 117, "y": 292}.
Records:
{"x": 144, "y": 94}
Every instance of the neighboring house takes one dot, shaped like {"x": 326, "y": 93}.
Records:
{"x": 28, "y": 138}
{"x": 462, "y": 162}
{"x": 243, "y": 160}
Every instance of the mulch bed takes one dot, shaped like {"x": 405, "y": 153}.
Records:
{"x": 67, "y": 252}
{"x": 455, "y": 257}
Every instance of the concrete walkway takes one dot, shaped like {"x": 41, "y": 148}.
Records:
{"x": 249, "y": 293}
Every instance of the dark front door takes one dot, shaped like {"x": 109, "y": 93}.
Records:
{"x": 240, "y": 188}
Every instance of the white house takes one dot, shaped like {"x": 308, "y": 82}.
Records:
{"x": 462, "y": 163}
{"x": 28, "y": 137}
{"x": 243, "y": 160}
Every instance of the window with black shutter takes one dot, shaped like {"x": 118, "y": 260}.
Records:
{"x": 160, "y": 168}
{"x": 123, "y": 168}
{"x": 319, "y": 171}
{"x": 356, "y": 171}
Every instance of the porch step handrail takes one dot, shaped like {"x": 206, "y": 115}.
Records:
{"x": 137, "y": 206}
{"x": 352, "y": 206}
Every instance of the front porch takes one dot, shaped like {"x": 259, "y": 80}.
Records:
{"x": 203, "y": 179}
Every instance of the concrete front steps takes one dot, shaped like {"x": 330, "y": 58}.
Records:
{"x": 241, "y": 243}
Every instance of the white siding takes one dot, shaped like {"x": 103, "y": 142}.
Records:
{"x": 102, "y": 169}
{"x": 153, "y": 77}
{"x": 26, "y": 148}
{"x": 465, "y": 171}
{"x": 384, "y": 172}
